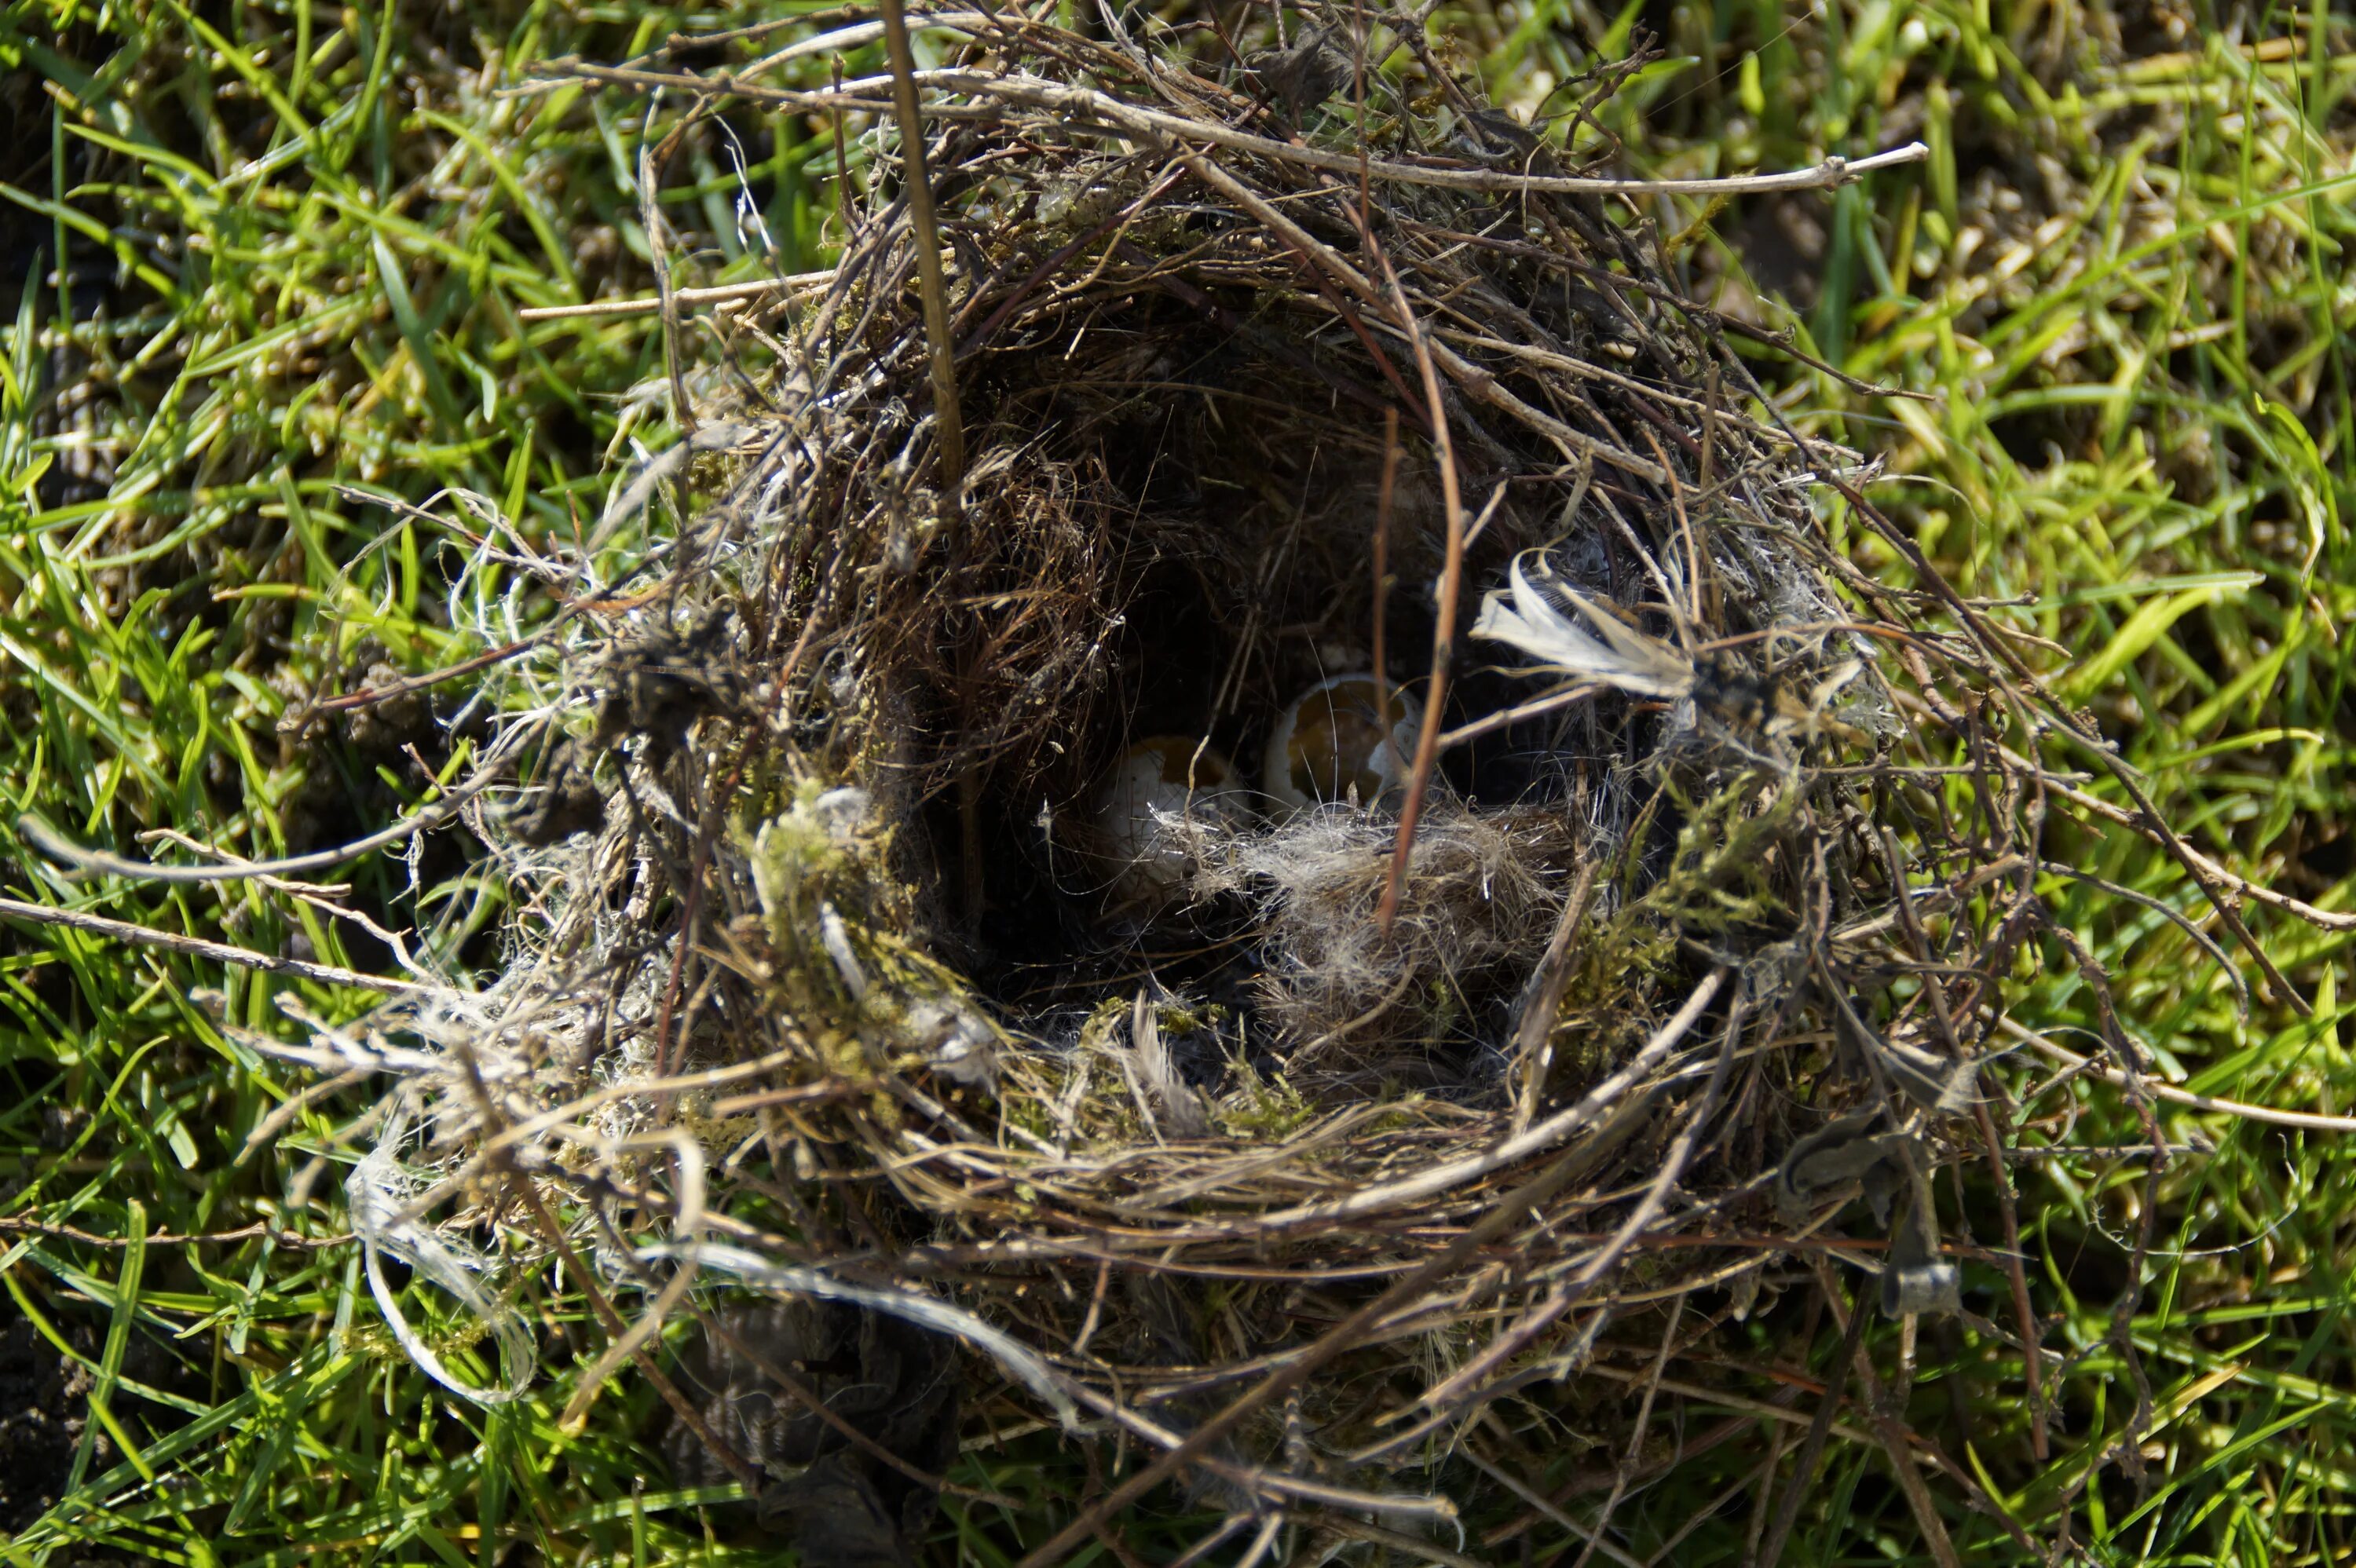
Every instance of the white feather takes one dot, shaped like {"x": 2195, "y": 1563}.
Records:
{"x": 1525, "y": 617}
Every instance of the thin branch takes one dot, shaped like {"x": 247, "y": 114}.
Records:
{"x": 74, "y": 861}
{"x": 1382, "y": 570}
{"x": 196, "y": 948}
{"x": 951, "y": 475}
{"x": 1451, "y": 589}
{"x": 719, "y": 293}
{"x": 1086, "y": 105}
{"x": 1541, "y": 1007}
{"x": 2310, "y": 1121}
{"x": 18, "y": 1225}
{"x": 1787, "y": 1513}
{"x": 1535, "y": 1500}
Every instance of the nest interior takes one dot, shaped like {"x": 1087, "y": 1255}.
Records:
{"x": 1176, "y": 539}
{"x": 857, "y": 960}
{"x": 1168, "y": 530}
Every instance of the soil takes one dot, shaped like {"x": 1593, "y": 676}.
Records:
{"x": 44, "y": 1405}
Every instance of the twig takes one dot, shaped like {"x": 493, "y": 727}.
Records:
{"x": 2148, "y": 818}
{"x": 259, "y": 1230}
{"x": 1531, "y": 1495}
{"x": 1400, "y": 1542}
{"x": 1272, "y": 1485}
{"x": 270, "y": 1126}
{"x": 707, "y": 827}
{"x": 2243, "y": 887}
{"x": 1260, "y": 1542}
{"x": 1451, "y": 1174}
{"x": 1896, "y": 1441}
{"x": 74, "y": 861}
{"x": 1048, "y": 267}
{"x": 687, "y": 1219}
{"x": 1787, "y": 1513}
{"x": 2312, "y": 1121}
{"x": 918, "y": 185}
{"x": 1463, "y": 1384}
{"x": 1213, "y": 1541}
{"x": 1382, "y": 567}
{"x": 843, "y": 187}
{"x": 1630, "y": 1460}
{"x": 1475, "y": 381}
{"x": 1451, "y": 587}
{"x": 719, "y": 293}
{"x": 652, "y": 162}
{"x": 196, "y": 948}
{"x": 2016, "y": 1274}
{"x": 369, "y": 697}
{"x": 1533, "y": 1029}
{"x": 1084, "y": 104}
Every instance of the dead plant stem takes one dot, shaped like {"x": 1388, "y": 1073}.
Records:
{"x": 1812, "y": 1448}
{"x": 77, "y": 861}
{"x": 1534, "y": 1032}
{"x": 197, "y": 947}
{"x": 1086, "y": 105}
{"x": 719, "y": 293}
{"x": 2148, "y": 818}
{"x": 2312, "y": 1121}
{"x": 651, "y": 164}
{"x": 1382, "y": 558}
{"x": 950, "y": 477}
{"x": 1896, "y": 1441}
{"x": 1591, "y": 1540}
{"x": 1451, "y": 588}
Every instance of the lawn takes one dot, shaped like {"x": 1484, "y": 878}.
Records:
{"x": 281, "y": 419}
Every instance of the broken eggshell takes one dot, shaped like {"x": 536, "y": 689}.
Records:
{"x": 1162, "y": 792}
{"x": 1329, "y": 745}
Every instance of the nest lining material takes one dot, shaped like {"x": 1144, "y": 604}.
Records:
{"x": 820, "y": 972}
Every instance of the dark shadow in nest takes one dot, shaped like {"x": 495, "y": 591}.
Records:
{"x": 759, "y": 1376}
{"x": 1221, "y": 494}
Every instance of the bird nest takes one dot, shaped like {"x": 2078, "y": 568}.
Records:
{"x": 1337, "y": 841}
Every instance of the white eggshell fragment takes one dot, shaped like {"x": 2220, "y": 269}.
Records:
{"x": 1163, "y": 793}
{"x": 1329, "y": 745}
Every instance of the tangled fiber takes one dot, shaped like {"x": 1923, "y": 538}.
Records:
{"x": 1279, "y": 1121}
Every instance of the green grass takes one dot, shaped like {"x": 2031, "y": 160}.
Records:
{"x": 298, "y": 239}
